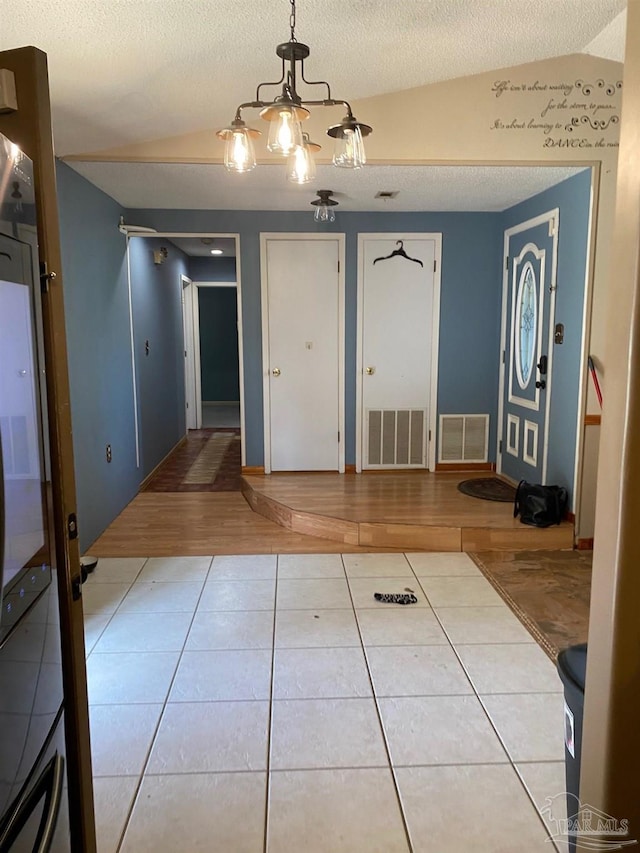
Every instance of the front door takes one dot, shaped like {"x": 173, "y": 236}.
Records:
{"x": 303, "y": 359}
{"x": 527, "y": 352}
{"x": 398, "y": 321}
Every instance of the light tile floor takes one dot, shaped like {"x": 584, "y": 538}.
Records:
{"x": 252, "y": 704}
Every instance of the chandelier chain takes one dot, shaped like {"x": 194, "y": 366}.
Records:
{"x": 292, "y": 20}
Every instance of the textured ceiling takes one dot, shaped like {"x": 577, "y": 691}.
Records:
{"x": 209, "y": 187}
{"x": 126, "y": 71}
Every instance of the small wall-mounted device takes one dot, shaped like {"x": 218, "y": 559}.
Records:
{"x": 160, "y": 255}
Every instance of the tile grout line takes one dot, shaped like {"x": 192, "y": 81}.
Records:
{"x": 109, "y": 615}
{"x": 487, "y": 715}
{"x": 141, "y": 777}
{"x": 265, "y": 840}
{"x": 403, "y": 816}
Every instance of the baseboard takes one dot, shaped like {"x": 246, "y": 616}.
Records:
{"x": 465, "y": 466}
{"x": 349, "y": 469}
{"x": 252, "y": 469}
{"x": 570, "y": 516}
{"x": 162, "y": 461}
{"x": 584, "y": 545}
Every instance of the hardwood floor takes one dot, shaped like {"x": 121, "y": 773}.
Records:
{"x": 162, "y": 524}
{"x": 408, "y": 510}
{"x": 323, "y": 513}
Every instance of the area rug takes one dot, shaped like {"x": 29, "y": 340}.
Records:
{"x": 488, "y": 489}
{"x": 208, "y": 461}
{"x": 548, "y": 591}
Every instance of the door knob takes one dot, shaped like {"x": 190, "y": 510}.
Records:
{"x": 276, "y": 371}
{"x": 370, "y": 371}
{"x": 542, "y": 364}
{"x": 541, "y": 383}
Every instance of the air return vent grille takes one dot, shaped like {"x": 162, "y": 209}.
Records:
{"x": 464, "y": 438}
{"x": 396, "y": 438}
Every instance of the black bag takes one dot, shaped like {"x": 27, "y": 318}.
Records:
{"x": 540, "y": 506}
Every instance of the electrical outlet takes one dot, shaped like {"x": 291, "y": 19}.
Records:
{"x": 108, "y": 453}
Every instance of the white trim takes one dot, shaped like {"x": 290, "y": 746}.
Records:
{"x": 189, "y": 357}
{"x": 530, "y": 428}
{"x": 513, "y": 421}
{"x": 576, "y": 497}
{"x": 136, "y": 424}
{"x": 339, "y": 238}
{"x": 540, "y": 255}
{"x": 238, "y": 284}
{"x": 550, "y": 342}
{"x": 432, "y": 424}
{"x": 196, "y": 346}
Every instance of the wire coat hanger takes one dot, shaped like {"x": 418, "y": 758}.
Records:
{"x": 400, "y": 253}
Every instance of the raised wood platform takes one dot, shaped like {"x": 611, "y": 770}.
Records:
{"x": 408, "y": 510}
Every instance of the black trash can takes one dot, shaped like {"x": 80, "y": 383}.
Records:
{"x": 572, "y": 668}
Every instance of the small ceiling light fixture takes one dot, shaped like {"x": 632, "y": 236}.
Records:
{"x": 285, "y": 113}
{"x": 217, "y": 252}
{"x": 324, "y": 205}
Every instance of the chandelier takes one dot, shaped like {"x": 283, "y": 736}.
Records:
{"x": 324, "y": 205}
{"x": 285, "y": 114}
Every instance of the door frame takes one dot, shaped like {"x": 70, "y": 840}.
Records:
{"x": 189, "y": 353}
{"x": 196, "y": 343}
{"x": 238, "y": 283}
{"x": 338, "y": 237}
{"x": 435, "y": 337}
{"x": 553, "y": 218}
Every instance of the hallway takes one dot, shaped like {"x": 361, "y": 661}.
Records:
{"x": 270, "y": 703}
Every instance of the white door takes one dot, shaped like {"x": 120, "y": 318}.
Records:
{"x": 189, "y": 354}
{"x": 302, "y": 311}
{"x": 398, "y": 322}
{"x": 526, "y": 369}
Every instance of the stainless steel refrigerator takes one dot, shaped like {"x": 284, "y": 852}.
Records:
{"x": 33, "y": 797}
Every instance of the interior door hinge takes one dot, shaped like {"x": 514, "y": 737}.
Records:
{"x": 504, "y": 356}
{"x": 429, "y": 435}
{"x": 506, "y": 263}
{"x": 435, "y": 266}
{"x": 338, "y": 438}
{"x": 500, "y": 446}
{"x": 338, "y": 266}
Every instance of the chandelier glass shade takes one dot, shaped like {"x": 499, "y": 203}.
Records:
{"x": 324, "y": 205}
{"x": 285, "y": 113}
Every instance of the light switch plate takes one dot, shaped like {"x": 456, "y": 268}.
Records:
{"x": 8, "y": 99}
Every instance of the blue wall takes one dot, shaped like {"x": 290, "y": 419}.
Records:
{"x": 219, "y": 369}
{"x": 212, "y": 269}
{"x": 156, "y": 292}
{"x": 99, "y": 351}
{"x": 470, "y": 300}
{"x": 572, "y": 197}
{"x": 97, "y": 314}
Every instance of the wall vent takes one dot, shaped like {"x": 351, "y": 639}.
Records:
{"x": 387, "y": 194}
{"x": 463, "y": 438}
{"x": 396, "y": 438}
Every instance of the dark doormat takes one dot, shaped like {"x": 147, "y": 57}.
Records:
{"x": 488, "y": 489}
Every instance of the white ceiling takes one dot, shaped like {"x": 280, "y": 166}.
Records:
{"x": 421, "y": 188}
{"x": 200, "y": 247}
{"x": 124, "y": 71}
